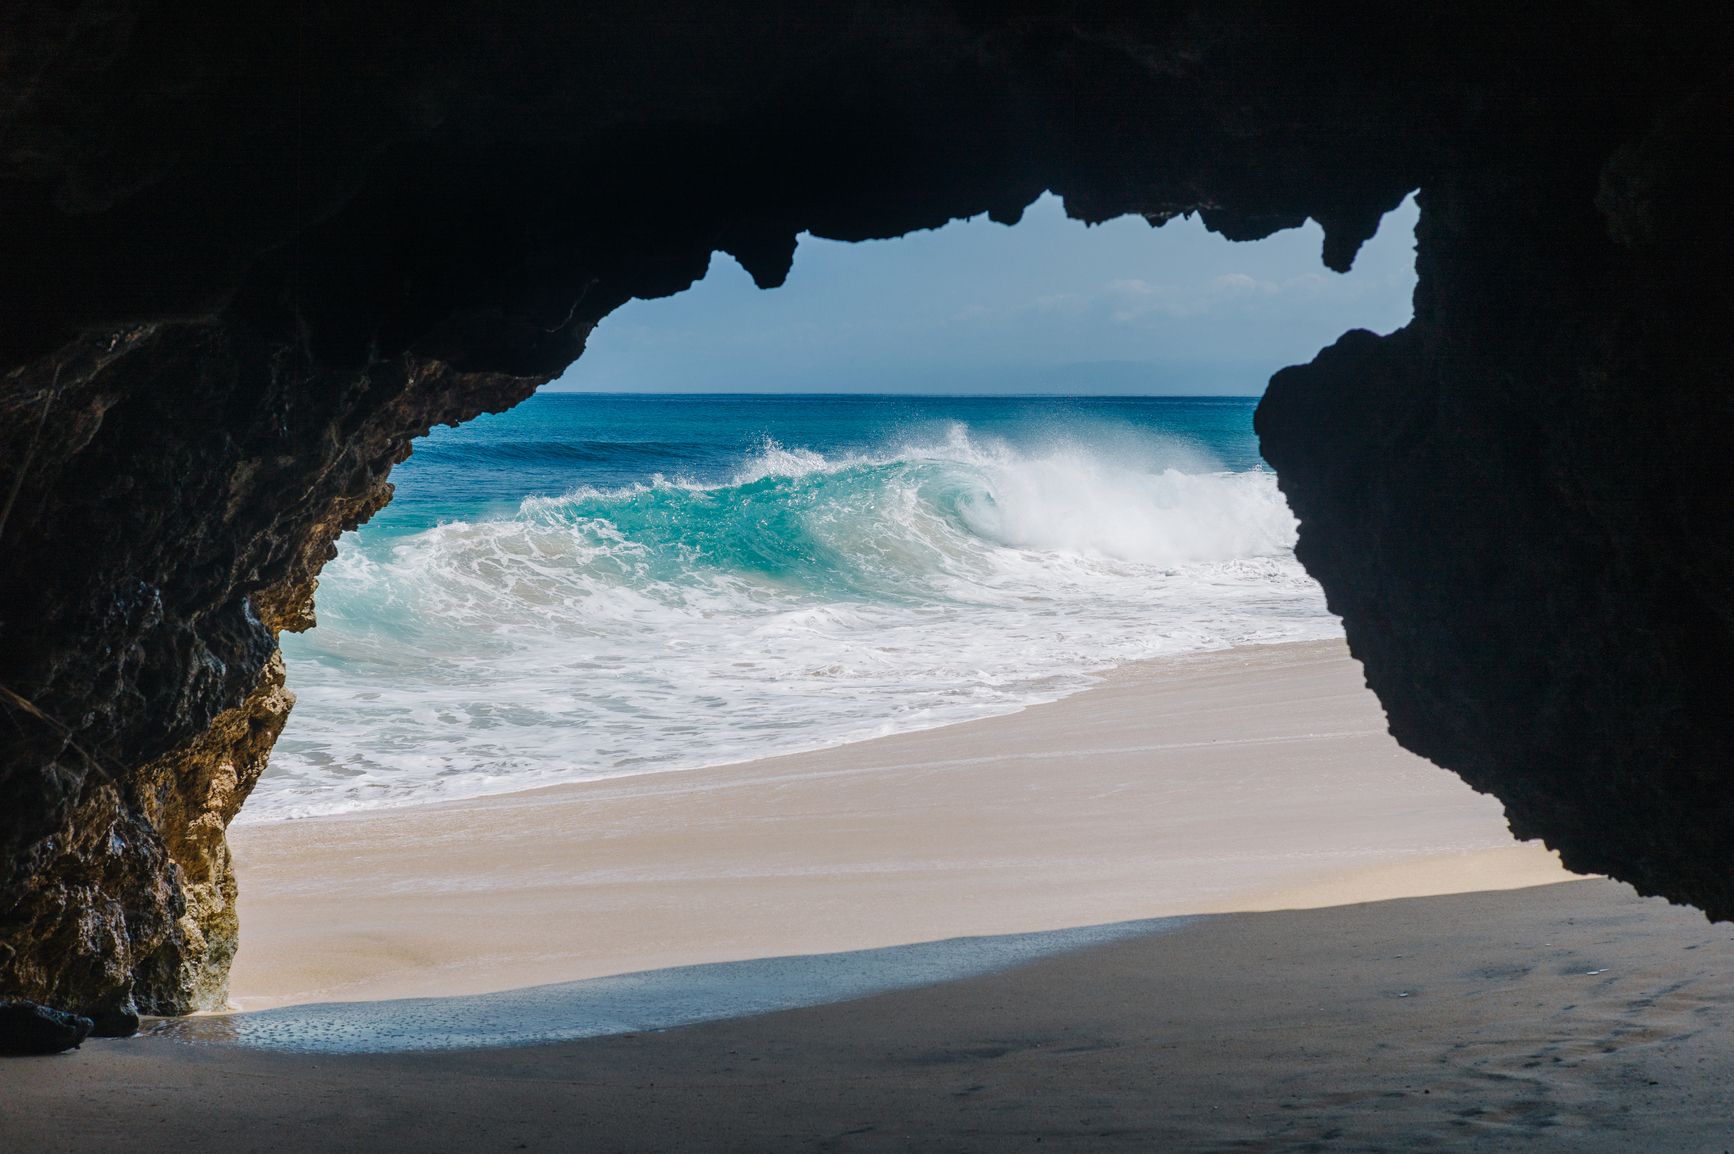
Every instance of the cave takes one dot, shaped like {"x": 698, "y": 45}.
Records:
{"x": 251, "y": 254}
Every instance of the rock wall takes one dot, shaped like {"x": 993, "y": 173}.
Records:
{"x": 175, "y": 490}
{"x": 251, "y": 252}
{"x": 1520, "y": 504}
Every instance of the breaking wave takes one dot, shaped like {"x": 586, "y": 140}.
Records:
{"x": 811, "y": 599}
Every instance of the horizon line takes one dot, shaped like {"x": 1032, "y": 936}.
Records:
{"x": 545, "y": 390}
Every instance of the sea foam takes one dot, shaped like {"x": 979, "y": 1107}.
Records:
{"x": 810, "y": 599}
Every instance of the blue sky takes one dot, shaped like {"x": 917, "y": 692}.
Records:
{"x": 1045, "y": 306}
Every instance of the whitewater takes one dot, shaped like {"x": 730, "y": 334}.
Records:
{"x": 589, "y": 587}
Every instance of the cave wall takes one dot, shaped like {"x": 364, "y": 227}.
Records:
{"x": 250, "y": 253}
{"x": 175, "y": 490}
{"x": 1520, "y": 504}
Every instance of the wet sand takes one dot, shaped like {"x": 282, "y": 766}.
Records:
{"x": 1248, "y": 779}
{"x": 1570, "y": 1017}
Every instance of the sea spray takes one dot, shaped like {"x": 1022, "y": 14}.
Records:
{"x": 797, "y": 596}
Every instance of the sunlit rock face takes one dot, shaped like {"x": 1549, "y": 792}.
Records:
{"x": 248, "y": 257}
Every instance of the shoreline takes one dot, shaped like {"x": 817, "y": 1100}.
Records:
{"x": 1093, "y": 679}
{"x": 1250, "y": 778}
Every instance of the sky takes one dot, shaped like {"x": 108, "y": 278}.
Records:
{"x": 1048, "y": 305}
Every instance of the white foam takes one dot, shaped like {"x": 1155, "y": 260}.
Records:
{"x": 812, "y": 602}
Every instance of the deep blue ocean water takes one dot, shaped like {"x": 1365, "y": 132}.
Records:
{"x": 590, "y": 585}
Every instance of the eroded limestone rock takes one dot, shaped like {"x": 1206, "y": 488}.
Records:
{"x": 144, "y": 632}
{"x": 191, "y": 796}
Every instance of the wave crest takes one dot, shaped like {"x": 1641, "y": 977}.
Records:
{"x": 808, "y": 600}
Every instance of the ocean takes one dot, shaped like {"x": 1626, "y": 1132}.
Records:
{"x": 596, "y": 585}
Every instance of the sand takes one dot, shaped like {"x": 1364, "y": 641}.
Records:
{"x": 1358, "y": 1016}
{"x": 1570, "y": 1017}
{"x": 1248, "y": 779}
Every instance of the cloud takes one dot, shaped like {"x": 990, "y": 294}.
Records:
{"x": 1241, "y": 283}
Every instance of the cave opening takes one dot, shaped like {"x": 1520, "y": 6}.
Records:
{"x": 945, "y": 401}
{"x": 928, "y": 483}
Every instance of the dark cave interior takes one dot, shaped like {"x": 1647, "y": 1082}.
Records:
{"x": 252, "y": 253}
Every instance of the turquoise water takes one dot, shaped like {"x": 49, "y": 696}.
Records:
{"x": 590, "y": 585}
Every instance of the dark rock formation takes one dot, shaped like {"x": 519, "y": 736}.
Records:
{"x": 115, "y": 1016}
{"x": 145, "y": 629}
{"x": 250, "y": 253}
{"x": 1520, "y": 503}
{"x": 27, "y": 1028}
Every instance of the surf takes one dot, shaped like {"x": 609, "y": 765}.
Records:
{"x": 809, "y": 596}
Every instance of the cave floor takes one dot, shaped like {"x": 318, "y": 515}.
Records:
{"x": 1572, "y": 1016}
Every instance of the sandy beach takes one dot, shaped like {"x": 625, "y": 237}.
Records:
{"x": 1368, "y": 961}
{"x": 1247, "y": 779}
